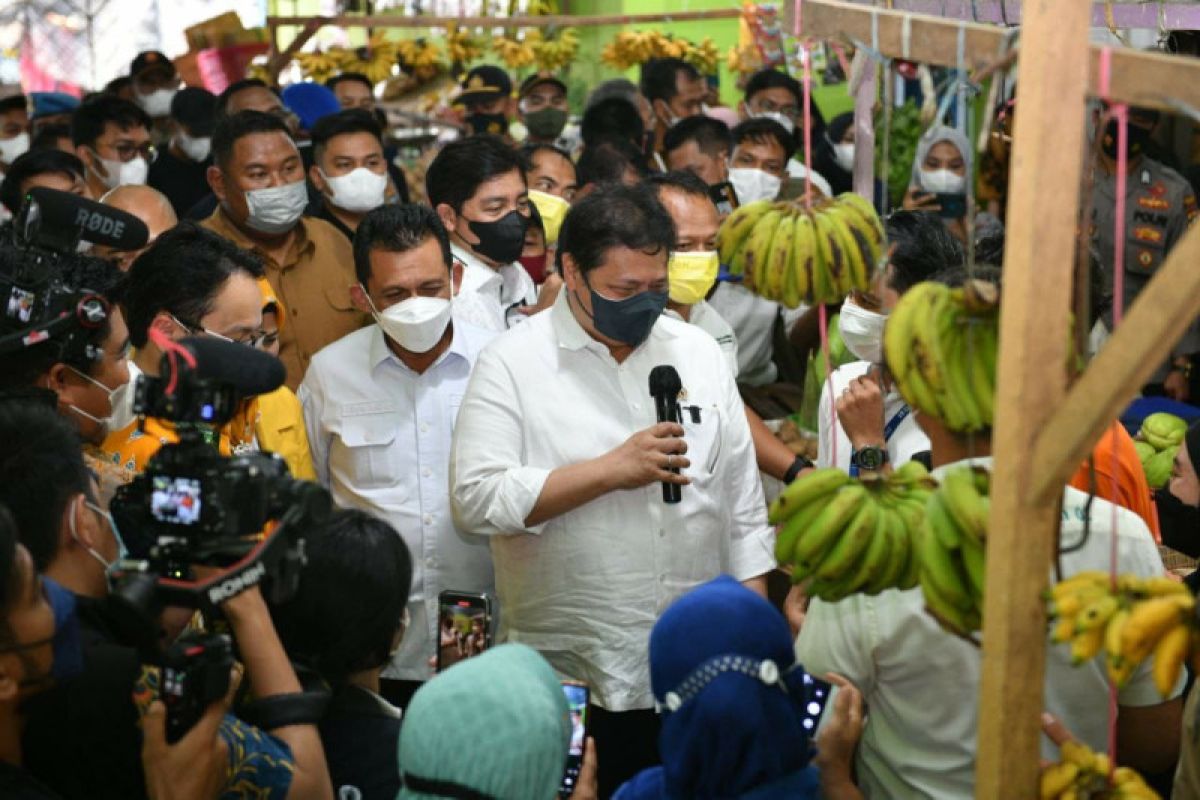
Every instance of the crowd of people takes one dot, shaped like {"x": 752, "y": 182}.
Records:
{"x": 465, "y": 358}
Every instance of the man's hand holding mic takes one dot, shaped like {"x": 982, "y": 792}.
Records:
{"x": 648, "y": 456}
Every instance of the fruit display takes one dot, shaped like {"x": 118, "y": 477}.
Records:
{"x": 421, "y": 57}
{"x": 631, "y": 48}
{"x": 844, "y": 535}
{"x": 1157, "y": 443}
{"x": 552, "y": 53}
{"x": 951, "y": 549}
{"x": 940, "y": 344}
{"x": 513, "y": 52}
{"x": 1129, "y": 621}
{"x": 792, "y": 254}
{"x": 462, "y": 46}
{"x": 1083, "y": 773}
{"x": 376, "y": 61}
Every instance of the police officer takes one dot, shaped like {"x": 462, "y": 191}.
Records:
{"x": 1159, "y": 205}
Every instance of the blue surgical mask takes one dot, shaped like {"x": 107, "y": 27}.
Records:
{"x": 122, "y": 550}
{"x": 68, "y": 646}
{"x": 628, "y": 321}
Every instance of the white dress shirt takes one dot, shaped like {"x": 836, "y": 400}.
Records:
{"x": 705, "y": 317}
{"x": 380, "y": 439}
{"x": 753, "y": 321}
{"x": 922, "y": 684}
{"x": 907, "y": 440}
{"x": 489, "y": 298}
{"x": 585, "y": 588}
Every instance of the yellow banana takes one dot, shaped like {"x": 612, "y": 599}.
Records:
{"x": 829, "y": 281}
{"x": 758, "y": 246}
{"x": 1149, "y": 620}
{"x": 798, "y": 283}
{"x": 859, "y": 266}
{"x": 779, "y": 258}
{"x": 1168, "y": 658}
{"x": 1112, "y": 642}
{"x": 1085, "y": 644}
{"x": 1056, "y": 779}
{"x": 1096, "y": 614}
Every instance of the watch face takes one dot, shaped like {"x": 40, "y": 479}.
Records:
{"x": 870, "y": 458}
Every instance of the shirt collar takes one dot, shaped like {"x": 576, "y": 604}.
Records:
{"x": 476, "y": 274}
{"x": 379, "y": 352}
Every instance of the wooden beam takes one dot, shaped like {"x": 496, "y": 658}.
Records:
{"x": 1138, "y": 78}
{"x": 1155, "y": 322}
{"x": 549, "y": 20}
{"x": 1039, "y": 263}
{"x": 1169, "y": 16}
{"x": 278, "y": 60}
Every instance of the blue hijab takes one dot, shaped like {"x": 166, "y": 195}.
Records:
{"x": 723, "y": 672}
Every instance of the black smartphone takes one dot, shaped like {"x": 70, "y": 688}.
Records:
{"x": 194, "y": 675}
{"x": 464, "y": 626}
{"x": 953, "y": 206}
{"x": 816, "y": 692}
{"x": 724, "y": 197}
{"x": 577, "y": 705}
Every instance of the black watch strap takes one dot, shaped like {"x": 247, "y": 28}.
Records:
{"x": 799, "y": 464}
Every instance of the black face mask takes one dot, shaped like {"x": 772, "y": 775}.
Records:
{"x": 1179, "y": 523}
{"x": 503, "y": 240}
{"x": 496, "y": 124}
{"x": 1137, "y": 139}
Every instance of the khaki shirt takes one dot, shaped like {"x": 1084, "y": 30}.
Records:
{"x": 313, "y": 283}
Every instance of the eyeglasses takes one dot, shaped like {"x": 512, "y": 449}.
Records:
{"x": 788, "y": 111}
{"x": 128, "y": 152}
{"x": 256, "y": 340}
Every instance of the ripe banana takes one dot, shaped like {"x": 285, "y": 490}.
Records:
{"x": 758, "y": 248}
{"x": 1084, "y": 774}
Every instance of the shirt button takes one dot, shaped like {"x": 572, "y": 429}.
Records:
{"x": 427, "y": 472}
{"x": 662, "y": 532}
{"x": 295, "y": 311}
{"x": 428, "y": 519}
{"x": 424, "y": 427}
{"x": 637, "y": 407}
{"x": 430, "y": 562}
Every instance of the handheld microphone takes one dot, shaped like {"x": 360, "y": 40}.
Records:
{"x": 59, "y": 220}
{"x": 665, "y": 387}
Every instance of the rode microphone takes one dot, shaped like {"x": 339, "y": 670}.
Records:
{"x": 59, "y": 220}
{"x": 665, "y": 387}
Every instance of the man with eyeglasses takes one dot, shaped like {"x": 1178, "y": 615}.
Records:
{"x": 543, "y": 110}
{"x": 112, "y": 138}
{"x": 190, "y": 282}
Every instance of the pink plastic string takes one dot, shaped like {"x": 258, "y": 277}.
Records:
{"x": 808, "y": 162}
{"x": 823, "y": 322}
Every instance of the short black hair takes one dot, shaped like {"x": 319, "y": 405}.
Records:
{"x": 88, "y": 121}
{"x": 680, "y": 180}
{"x": 531, "y": 149}
{"x": 76, "y": 271}
{"x": 615, "y": 216}
{"x": 31, "y": 164}
{"x": 619, "y": 88}
{"x": 47, "y": 136}
{"x": 771, "y": 78}
{"x": 237, "y": 126}
{"x": 355, "y": 77}
{"x": 959, "y": 274}
{"x": 348, "y": 607}
{"x": 118, "y": 84}
{"x": 463, "y": 166}
{"x": 351, "y": 120}
{"x": 760, "y": 129}
{"x": 607, "y": 161}
{"x": 921, "y": 248}
{"x": 237, "y": 86}
{"x": 659, "y": 77}
{"x": 396, "y": 228}
{"x": 181, "y": 273}
{"x": 14, "y": 102}
{"x": 712, "y": 136}
{"x": 41, "y": 469}
{"x": 612, "y": 119}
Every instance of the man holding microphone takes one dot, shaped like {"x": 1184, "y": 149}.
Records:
{"x": 558, "y": 456}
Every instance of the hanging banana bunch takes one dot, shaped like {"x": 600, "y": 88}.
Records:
{"x": 462, "y": 46}
{"x": 421, "y": 57}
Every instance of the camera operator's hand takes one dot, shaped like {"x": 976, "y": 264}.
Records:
{"x": 194, "y": 767}
{"x": 270, "y": 674}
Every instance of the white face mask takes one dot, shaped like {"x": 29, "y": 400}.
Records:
{"x": 943, "y": 181}
{"x": 358, "y": 191}
{"x": 197, "y": 149}
{"x": 276, "y": 209}
{"x": 754, "y": 184}
{"x": 14, "y": 148}
{"x": 416, "y": 324}
{"x": 120, "y": 403}
{"x": 862, "y": 331}
{"x": 787, "y": 122}
{"x": 122, "y": 173}
{"x": 843, "y": 154}
{"x": 157, "y": 103}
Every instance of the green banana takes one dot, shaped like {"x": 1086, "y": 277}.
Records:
{"x": 840, "y": 509}
{"x": 940, "y": 569}
{"x": 965, "y": 505}
{"x": 885, "y": 559}
{"x": 804, "y": 490}
{"x": 910, "y": 577}
{"x": 941, "y": 524}
{"x": 974, "y": 566}
{"x": 850, "y": 546}
{"x": 796, "y": 524}
{"x": 949, "y": 614}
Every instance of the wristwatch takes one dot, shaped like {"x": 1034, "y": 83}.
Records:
{"x": 801, "y": 463}
{"x": 870, "y": 458}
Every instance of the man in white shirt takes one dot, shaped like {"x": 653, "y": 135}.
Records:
{"x": 477, "y": 186}
{"x": 922, "y": 683}
{"x": 557, "y": 456}
{"x": 868, "y": 417}
{"x": 379, "y": 406}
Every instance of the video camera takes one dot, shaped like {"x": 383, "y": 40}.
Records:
{"x": 202, "y": 527}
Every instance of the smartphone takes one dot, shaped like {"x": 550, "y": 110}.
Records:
{"x": 953, "y": 206}
{"x": 816, "y": 692}
{"x": 577, "y": 705}
{"x": 464, "y": 626}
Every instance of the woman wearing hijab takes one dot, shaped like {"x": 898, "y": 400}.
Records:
{"x": 940, "y": 173}
{"x": 732, "y": 703}
{"x": 1179, "y": 504}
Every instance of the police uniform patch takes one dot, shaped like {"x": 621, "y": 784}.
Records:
{"x": 1154, "y": 203}
{"x": 1145, "y": 258}
{"x": 1145, "y": 234}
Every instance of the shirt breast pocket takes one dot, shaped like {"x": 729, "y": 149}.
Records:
{"x": 702, "y": 432}
{"x": 369, "y": 450}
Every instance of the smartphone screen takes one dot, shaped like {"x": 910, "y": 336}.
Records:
{"x": 816, "y": 693}
{"x": 464, "y": 627}
{"x": 577, "y": 705}
{"x": 953, "y": 206}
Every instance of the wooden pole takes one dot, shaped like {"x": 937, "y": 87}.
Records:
{"x": 1039, "y": 263}
{"x": 1158, "y": 317}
